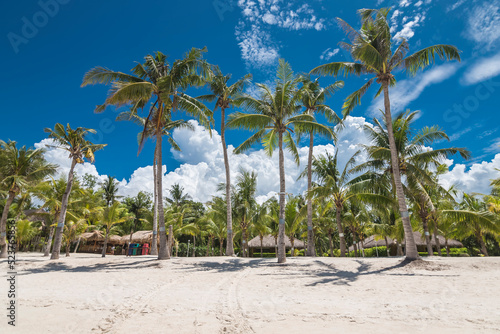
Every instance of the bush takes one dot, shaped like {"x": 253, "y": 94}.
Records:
{"x": 453, "y": 252}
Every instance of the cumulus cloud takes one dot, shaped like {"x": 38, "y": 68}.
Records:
{"x": 409, "y": 90}
{"x": 474, "y": 179}
{"x": 482, "y": 70}
{"x": 484, "y": 24}
{"x": 409, "y": 16}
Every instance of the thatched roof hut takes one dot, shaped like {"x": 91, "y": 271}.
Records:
{"x": 139, "y": 237}
{"x": 115, "y": 240}
{"x": 370, "y": 242}
{"x": 92, "y": 236}
{"x": 269, "y": 242}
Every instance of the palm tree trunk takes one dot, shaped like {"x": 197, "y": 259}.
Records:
{"x": 194, "y": 245}
{"x": 400, "y": 249}
{"x": 387, "y": 247}
{"x": 330, "y": 240}
{"x": 243, "y": 241}
{"x": 292, "y": 241}
{"x": 411, "y": 247}
{"x": 164, "y": 253}
{"x": 426, "y": 233}
{"x": 447, "y": 247}
{"x": 355, "y": 248}
{"x": 261, "y": 246}
{"x": 3, "y": 224}
{"x": 221, "y": 243}
{"x": 62, "y": 215}
{"x": 311, "y": 250}
{"x": 480, "y": 238}
{"x": 341, "y": 232}
{"x": 207, "y": 253}
{"x": 77, "y": 245}
{"x": 105, "y": 243}
{"x": 154, "y": 241}
{"x": 67, "y": 248}
{"x": 170, "y": 238}
{"x": 229, "y": 243}
{"x": 51, "y": 236}
{"x": 281, "y": 230}
{"x": 436, "y": 239}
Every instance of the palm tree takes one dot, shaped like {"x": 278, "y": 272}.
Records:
{"x": 338, "y": 187}
{"x": 275, "y": 118}
{"x": 244, "y": 204}
{"x": 414, "y": 161}
{"x": 216, "y": 220}
{"x": 313, "y": 100}
{"x": 20, "y": 168}
{"x": 168, "y": 127}
{"x": 372, "y": 51}
{"x": 177, "y": 195}
{"x": 113, "y": 215}
{"x": 293, "y": 219}
{"x": 110, "y": 188}
{"x": 139, "y": 206}
{"x": 224, "y": 95}
{"x": 73, "y": 141}
{"x": 72, "y": 230}
{"x": 160, "y": 83}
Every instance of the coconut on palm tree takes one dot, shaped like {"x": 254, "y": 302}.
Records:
{"x": 373, "y": 53}
{"x": 160, "y": 84}
{"x": 276, "y": 114}
{"x": 73, "y": 141}
{"x": 223, "y": 95}
{"x": 19, "y": 168}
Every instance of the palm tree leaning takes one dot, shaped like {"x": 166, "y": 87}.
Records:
{"x": 275, "y": 117}
{"x": 371, "y": 49}
{"x": 159, "y": 84}
{"x": 313, "y": 99}
{"x": 223, "y": 94}
{"x": 19, "y": 168}
{"x": 73, "y": 141}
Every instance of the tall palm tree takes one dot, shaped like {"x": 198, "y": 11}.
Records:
{"x": 20, "y": 168}
{"x": 313, "y": 100}
{"x": 276, "y": 115}
{"x": 115, "y": 214}
{"x": 177, "y": 195}
{"x": 223, "y": 94}
{"x": 338, "y": 186}
{"x": 160, "y": 84}
{"x": 372, "y": 51}
{"x": 168, "y": 127}
{"x": 73, "y": 141}
{"x": 139, "y": 206}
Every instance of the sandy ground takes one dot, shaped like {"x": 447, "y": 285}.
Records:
{"x": 88, "y": 294}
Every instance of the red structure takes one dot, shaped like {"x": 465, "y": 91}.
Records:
{"x": 145, "y": 249}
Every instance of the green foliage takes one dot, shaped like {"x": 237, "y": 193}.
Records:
{"x": 453, "y": 252}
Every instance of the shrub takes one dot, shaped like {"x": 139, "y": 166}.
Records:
{"x": 453, "y": 252}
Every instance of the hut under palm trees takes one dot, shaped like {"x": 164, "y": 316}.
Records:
{"x": 378, "y": 241}
{"x": 268, "y": 244}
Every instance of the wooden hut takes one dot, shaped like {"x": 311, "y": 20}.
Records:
{"x": 92, "y": 242}
{"x": 268, "y": 244}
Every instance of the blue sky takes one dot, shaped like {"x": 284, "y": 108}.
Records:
{"x": 47, "y": 48}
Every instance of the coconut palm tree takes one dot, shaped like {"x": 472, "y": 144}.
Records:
{"x": 276, "y": 115}
{"x": 139, "y": 206}
{"x": 373, "y": 53}
{"x": 337, "y": 186}
{"x": 79, "y": 148}
{"x": 293, "y": 219}
{"x": 223, "y": 95}
{"x": 216, "y": 220}
{"x": 110, "y": 190}
{"x": 115, "y": 214}
{"x": 245, "y": 205}
{"x": 415, "y": 161}
{"x": 160, "y": 84}
{"x": 313, "y": 100}
{"x": 72, "y": 230}
{"x": 177, "y": 195}
{"x": 168, "y": 127}
{"x": 20, "y": 168}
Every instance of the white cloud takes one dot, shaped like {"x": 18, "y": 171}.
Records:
{"x": 407, "y": 91}
{"x": 484, "y": 24}
{"x": 482, "y": 70}
{"x": 257, "y": 48}
{"x": 404, "y": 3}
{"x": 328, "y": 54}
{"x": 408, "y": 30}
{"x": 474, "y": 179}
{"x": 455, "y": 5}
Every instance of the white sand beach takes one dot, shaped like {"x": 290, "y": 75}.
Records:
{"x": 88, "y": 294}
